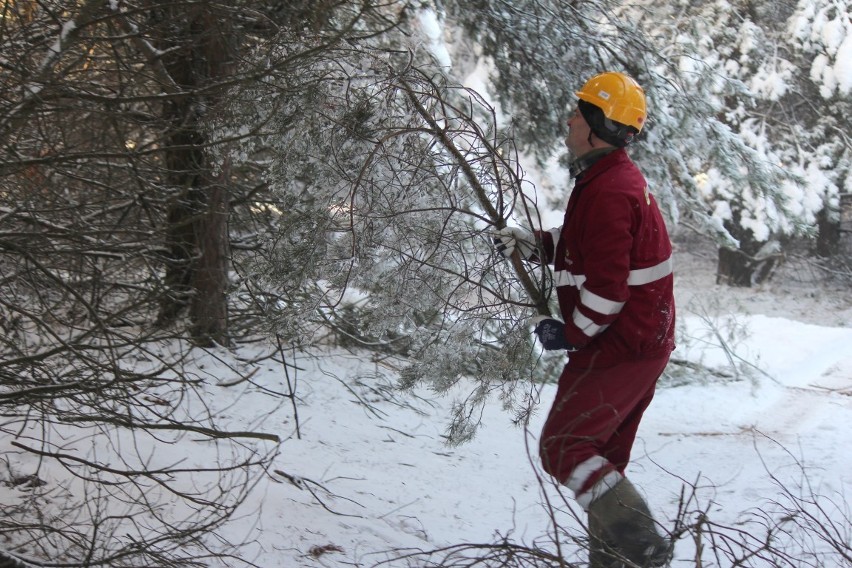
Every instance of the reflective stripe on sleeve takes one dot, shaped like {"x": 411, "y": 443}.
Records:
{"x": 651, "y": 274}
{"x": 637, "y": 277}
{"x": 586, "y": 325}
{"x": 599, "y": 304}
{"x": 565, "y": 278}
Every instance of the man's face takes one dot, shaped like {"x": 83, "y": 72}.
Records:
{"x": 578, "y": 134}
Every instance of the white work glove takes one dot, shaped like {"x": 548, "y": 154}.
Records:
{"x": 509, "y": 239}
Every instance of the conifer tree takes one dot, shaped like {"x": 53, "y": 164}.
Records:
{"x": 728, "y": 147}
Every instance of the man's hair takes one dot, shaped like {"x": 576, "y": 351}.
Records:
{"x": 609, "y": 131}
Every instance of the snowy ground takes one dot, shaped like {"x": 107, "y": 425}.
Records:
{"x": 370, "y": 477}
{"x": 363, "y": 476}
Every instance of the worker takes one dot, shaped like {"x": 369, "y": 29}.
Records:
{"x": 612, "y": 273}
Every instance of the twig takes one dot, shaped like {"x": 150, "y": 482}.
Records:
{"x": 538, "y": 298}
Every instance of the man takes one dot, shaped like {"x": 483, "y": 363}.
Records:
{"x": 614, "y": 283}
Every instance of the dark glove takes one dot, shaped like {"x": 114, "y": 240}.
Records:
{"x": 551, "y": 333}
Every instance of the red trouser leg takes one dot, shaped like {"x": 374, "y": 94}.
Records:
{"x": 594, "y": 419}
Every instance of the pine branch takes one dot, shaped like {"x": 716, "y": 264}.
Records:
{"x": 538, "y": 298}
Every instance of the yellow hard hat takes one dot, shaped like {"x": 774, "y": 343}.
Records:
{"x": 620, "y": 98}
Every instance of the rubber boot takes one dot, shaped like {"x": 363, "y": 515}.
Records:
{"x": 600, "y": 555}
{"x": 621, "y": 527}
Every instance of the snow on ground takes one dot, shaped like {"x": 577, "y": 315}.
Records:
{"x": 363, "y": 476}
{"x": 370, "y": 476}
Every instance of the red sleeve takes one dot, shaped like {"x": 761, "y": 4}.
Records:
{"x": 605, "y": 244}
{"x": 546, "y": 239}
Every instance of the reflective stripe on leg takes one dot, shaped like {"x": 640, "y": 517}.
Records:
{"x": 603, "y": 485}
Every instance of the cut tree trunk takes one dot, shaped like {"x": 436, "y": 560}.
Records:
{"x": 736, "y": 268}
{"x": 733, "y": 268}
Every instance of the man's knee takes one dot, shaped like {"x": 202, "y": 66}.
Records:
{"x": 561, "y": 455}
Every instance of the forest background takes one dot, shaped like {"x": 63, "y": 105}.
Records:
{"x": 182, "y": 176}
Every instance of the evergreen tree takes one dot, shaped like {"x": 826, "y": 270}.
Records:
{"x": 770, "y": 172}
{"x": 329, "y": 151}
{"x": 727, "y": 147}
{"x": 387, "y": 179}
{"x": 114, "y": 211}
{"x": 387, "y": 175}
{"x": 819, "y": 105}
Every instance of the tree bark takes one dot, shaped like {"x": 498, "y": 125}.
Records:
{"x": 741, "y": 269}
{"x": 197, "y": 238}
{"x": 828, "y": 234}
{"x": 733, "y": 268}
{"x": 209, "y": 306}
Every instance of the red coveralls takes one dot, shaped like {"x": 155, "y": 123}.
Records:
{"x": 614, "y": 283}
